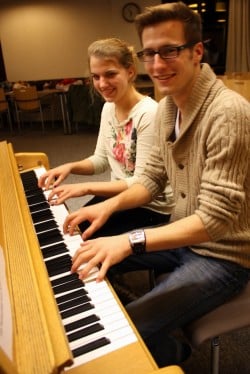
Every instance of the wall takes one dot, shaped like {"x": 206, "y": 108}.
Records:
{"x": 44, "y": 39}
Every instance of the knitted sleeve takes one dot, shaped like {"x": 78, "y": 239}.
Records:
{"x": 222, "y": 198}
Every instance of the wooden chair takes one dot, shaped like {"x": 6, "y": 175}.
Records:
{"x": 4, "y": 108}
{"x": 83, "y": 107}
{"x": 28, "y": 102}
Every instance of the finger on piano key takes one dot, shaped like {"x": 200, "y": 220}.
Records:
{"x": 116, "y": 331}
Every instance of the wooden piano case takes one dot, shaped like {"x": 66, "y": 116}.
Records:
{"x": 39, "y": 341}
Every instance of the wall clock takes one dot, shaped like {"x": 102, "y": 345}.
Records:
{"x": 130, "y": 11}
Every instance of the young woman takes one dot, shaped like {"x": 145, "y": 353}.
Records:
{"x": 123, "y": 145}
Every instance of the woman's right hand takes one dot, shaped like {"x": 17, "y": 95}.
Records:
{"x": 96, "y": 215}
{"x": 54, "y": 177}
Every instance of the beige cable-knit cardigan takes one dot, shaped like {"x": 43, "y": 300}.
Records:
{"x": 208, "y": 165}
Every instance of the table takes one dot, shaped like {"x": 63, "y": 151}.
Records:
{"x": 63, "y": 104}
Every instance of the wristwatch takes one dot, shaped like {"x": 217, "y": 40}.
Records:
{"x": 137, "y": 240}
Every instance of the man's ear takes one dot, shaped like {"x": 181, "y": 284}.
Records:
{"x": 198, "y": 52}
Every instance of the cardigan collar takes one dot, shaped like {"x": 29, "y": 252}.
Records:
{"x": 204, "y": 82}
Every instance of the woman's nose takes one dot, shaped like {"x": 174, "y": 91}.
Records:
{"x": 102, "y": 82}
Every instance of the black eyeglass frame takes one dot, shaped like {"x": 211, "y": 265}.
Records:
{"x": 173, "y": 48}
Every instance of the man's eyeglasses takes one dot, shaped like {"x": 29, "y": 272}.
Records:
{"x": 166, "y": 52}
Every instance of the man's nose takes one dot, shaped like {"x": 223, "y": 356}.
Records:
{"x": 159, "y": 59}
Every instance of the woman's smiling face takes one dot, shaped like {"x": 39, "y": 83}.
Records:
{"x": 110, "y": 79}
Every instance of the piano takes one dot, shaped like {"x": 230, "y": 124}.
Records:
{"x": 60, "y": 324}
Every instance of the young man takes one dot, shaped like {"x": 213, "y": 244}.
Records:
{"x": 202, "y": 147}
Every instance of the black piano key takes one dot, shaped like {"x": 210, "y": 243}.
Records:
{"x": 31, "y": 188}
{"x": 53, "y": 262}
{"x": 90, "y": 347}
{"x": 36, "y": 198}
{"x": 81, "y": 322}
{"x": 87, "y": 331}
{"x": 36, "y": 208}
{"x": 74, "y": 302}
{"x": 74, "y": 284}
{"x": 62, "y": 268}
{"x": 45, "y": 226}
{"x": 29, "y": 179}
{"x": 77, "y": 310}
{"x": 54, "y": 250}
{"x": 42, "y": 215}
{"x": 64, "y": 279}
{"x": 58, "y": 265}
{"x": 27, "y": 174}
{"x": 34, "y": 192}
{"x": 49, "y": 237}
{"x": 70, "y": 296}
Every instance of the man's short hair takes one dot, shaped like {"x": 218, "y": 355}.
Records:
{"x": 177, "y": 11}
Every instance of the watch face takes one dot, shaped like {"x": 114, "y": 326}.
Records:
{"x": 130, "y": 11}
{"x": 137, "y": 237}
{"x": 137, "y": 241}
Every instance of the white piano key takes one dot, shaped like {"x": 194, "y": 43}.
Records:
{"x": 119, "y": 340}
{"x": 112, "y": 332}
{"x": 116, "y": 312}
{"x": 105, "y": 313}
{"x": 40, "y": 171}
{"x": 106, "y": 318}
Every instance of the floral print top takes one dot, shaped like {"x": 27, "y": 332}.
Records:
{"x": 124, "y": 147}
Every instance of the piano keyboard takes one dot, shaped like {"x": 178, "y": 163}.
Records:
{"x": 93, "y": 320}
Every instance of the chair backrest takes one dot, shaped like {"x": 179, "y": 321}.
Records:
{"x": 82, "y": 107}
{"x": 3, "y": 101}
{"x": 26, "y": 98}
{"x": 230, "y": 316}
{"x": 239, "y": 82}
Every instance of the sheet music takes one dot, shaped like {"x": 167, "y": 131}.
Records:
{"x": 6, "y": 327}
